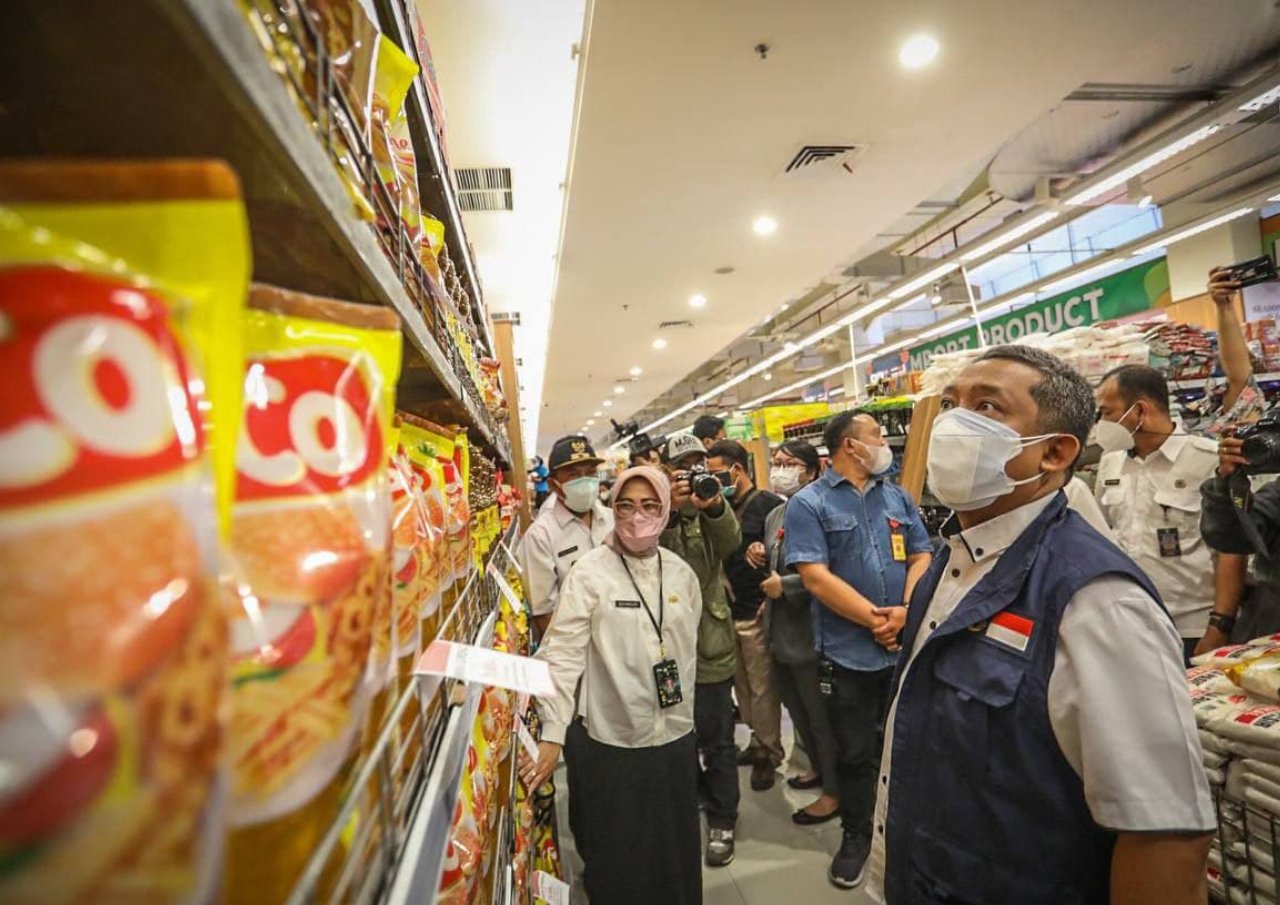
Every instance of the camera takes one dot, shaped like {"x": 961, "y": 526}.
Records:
{"x": 638, "y": 444}
{"x": 704, "y": 484}
{"x": 1261, "y": 446}
{"x": 1250, "y": 273}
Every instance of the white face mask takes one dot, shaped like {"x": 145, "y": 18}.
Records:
{"x": 581, "y": 493}
{"x": 881, "y": 458}
{"x": 1113, "y": 436}
{"x": 967, "y": 456}
{"x": 785, "y": 480}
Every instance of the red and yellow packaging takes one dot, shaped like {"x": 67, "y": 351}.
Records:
{"x": 393, "y": 153}
{"x": 113, "y": 278}
{"x": 421, "y": 440}
{"x": 311, "y": 542}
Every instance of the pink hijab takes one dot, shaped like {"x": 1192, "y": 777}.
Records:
{"x": 658, "y": 480}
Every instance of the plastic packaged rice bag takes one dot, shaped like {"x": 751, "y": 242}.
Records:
{"x": 1260, "y": 677}
{"x": 1234, "y": 654}
{"x": 1258, "y": 726}
{"x": 1210, "y": 678}
{"x": 1209, "y": 707}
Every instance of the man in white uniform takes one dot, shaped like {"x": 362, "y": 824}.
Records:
{"x": 1040, "y": 746}
{"x": 565, "y": 531}
{"x": 1149, "y": 489}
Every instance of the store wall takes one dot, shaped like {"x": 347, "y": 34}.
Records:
{"x": 1191, "y": 259}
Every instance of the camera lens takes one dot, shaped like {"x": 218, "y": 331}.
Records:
{"x": 1262, "y": 450}
{"x": 705, "y": 486}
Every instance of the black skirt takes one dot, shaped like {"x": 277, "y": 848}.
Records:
{"x": 639, "y": 808}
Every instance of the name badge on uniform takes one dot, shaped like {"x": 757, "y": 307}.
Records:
{"x": 1111, "y": 482}
{"x": 666, "y": 677}
{"x": 573, "y": 549}
{"x": 897, "y": 541}
{"x": 627, "y": 604}
{"x": 1169, "y": 543}
{"x": 826, "y": 677}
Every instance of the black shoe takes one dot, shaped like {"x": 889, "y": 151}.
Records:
{"x": 849, "y": 865}
{"x": 748, "y": 757}
{"x": 803, "y": 785}
{"x": 719, "y": 847}
{"x": 763, "y": 776}
{"x": 804, "y": 818}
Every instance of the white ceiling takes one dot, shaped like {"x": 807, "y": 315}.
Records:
{"x": 684, "y": 132}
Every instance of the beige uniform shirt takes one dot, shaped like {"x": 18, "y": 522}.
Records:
{"x": 556, "y": 540}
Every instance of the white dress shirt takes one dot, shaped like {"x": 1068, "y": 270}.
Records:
{"x": 1143, "y": 498}
{"x": 1081, "y": 499}
{"x": 554, "y": 542}
{"x": 1118, "y": 699}
{"x": 602, "y": 633}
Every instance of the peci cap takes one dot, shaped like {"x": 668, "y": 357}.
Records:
{"x": 682, "y": 445}
{"x": 570, "y": 451}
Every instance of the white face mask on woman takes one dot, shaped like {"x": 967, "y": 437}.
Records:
{"x": 785, "y": 480}
{"x": 967, "y": 456}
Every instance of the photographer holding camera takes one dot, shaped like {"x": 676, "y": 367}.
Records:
{"x": 703, "y": 531}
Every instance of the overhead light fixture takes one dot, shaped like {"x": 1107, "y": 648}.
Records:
{"x": 608, "y": 403}
{"x": 1008, "y": 236}
{"x": 799, "y": 384}
{"x": 767, "y": 376}
{"x": 590, "y": 422}
{"x": 659, "y": 343}
{"x": 619, "y": 390}
{"x": 597, "y": 414}
{"x": 919, "y": 51}
{"x": 1193, "y": 231}
{"x": 941, "y": 329}
{"x": 1262, "y": 101}
{"x": 838, "y": 391}
{"x": 935, "y": 298}
{"x": 785, "y": 306}
{"x": 924, "y": 279}
{"x": 722, "y": 415}
{"x": 1077, "y": 279}
{"x": 1155, "y": 158}
{"x": 697, "y": 300}
{"x": 1137, "y": 193}
{"x": 636, "y": 371}
{"x": 764, "y": 225}
{"x": 1274, "y": 198}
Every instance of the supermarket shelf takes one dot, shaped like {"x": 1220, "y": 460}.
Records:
{"x": 1199, "y": 384}
{"x": 210, "y": 92}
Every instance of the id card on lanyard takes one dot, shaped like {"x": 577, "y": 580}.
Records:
{"x": 897, "y": 541}
{"x": 666, "y": 673}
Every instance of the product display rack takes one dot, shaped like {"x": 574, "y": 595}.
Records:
{"x": 1242, "y": 821}
{"x": 197, "y": 82}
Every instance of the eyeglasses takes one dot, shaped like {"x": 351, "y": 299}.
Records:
{"x": 627, "y": 508}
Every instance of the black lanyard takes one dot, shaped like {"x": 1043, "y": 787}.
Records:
{"x": 657, "y": 623}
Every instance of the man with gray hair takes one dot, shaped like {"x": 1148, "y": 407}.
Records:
{"x": 1016, "y": 769}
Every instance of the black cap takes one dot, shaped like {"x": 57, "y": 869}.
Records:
{"x": 570, "y": 451}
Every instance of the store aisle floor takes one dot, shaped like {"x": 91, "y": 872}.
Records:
{"x": 776, "y": 861}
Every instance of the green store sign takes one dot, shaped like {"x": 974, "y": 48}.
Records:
{"x": 1121, "y": 294}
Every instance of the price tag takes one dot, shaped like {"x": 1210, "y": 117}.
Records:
{"x": 551, "y": 890}
{"x": 526, "y": 738}
{"x": 486, "y": 667}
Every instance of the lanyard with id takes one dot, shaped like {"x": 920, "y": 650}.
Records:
{"x": 897, "y": 541}
{"x": 666, "y": 674}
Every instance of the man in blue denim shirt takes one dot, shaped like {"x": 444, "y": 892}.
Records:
{"x": 860, "y": 546}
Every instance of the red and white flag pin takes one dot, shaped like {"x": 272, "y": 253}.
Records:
{"x": 1010, "y": 630}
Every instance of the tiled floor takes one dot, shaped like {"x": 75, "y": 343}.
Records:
{"x": 777, "y": 862}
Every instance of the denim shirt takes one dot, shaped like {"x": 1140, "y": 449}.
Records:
{"x": 849, "y": 531}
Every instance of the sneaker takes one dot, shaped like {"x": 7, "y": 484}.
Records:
{"x": 850, "y": 863}
{"x": 763, "y": 776}
{"x": 719, "y": 847}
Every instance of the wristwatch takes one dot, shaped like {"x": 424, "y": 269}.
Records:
{"x": 1222, "y": 622}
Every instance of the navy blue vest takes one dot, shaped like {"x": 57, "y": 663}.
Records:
{"x": 983, "y": 807}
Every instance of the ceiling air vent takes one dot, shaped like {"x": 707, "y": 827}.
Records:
{"x": 665, "y": 324}
{"x": 484, "y": 188}
{"x": 814, "y": 157}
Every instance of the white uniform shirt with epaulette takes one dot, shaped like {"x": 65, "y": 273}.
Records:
{"x": 1153, "y": 505}
{"x": 554, "y": 542}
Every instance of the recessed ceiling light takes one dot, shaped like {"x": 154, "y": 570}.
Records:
{"x": 768, "y": 375}
{"x": 785, "y": 306}
{"x": 636, "y": 371}
{"x": 659, "y": 343}
{"x": 607, "y": 403}
{"x": 764, "y": 225}
{"x": 619, "y": 390}
{"x": 697, "y": 300}
{"x": 597, "y": 414}
{"x": 590, "y": 422}
{"x": 919, "y": 51}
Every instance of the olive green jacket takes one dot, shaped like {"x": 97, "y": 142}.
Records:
{"x": 704, "y": 542}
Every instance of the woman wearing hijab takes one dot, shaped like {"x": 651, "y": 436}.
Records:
{"x": 627, "y": 626}
{"x": 789, "y": 628}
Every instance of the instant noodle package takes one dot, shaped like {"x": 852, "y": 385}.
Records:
{"x": 311, "y": 546}
{"x": 113, "y": 644}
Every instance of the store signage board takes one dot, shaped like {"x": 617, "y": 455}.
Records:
{"x": 550, "y": 889}
{"x": 1118, "y": 295}
{"x": 1262, "y": 301}
{"x": 482, "y": 666}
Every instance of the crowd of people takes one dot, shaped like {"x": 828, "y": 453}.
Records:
{"x": 996, "y": 715}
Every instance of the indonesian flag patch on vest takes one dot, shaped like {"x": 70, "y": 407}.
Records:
{"x": 1010, "y": 630}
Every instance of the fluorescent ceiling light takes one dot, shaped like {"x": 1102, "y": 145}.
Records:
{"x": 924, "y": 279}
{"x": 722, "y": 414}
{"x": 1263, "y": 100}
{"x": 659, "y": 343}
{"x": 597, "y": 414}
{"x": 590, "y": 422}
{"x": 1193, "y": 231}
{"x": 607, "y": 403}
{"x": 764, "y": 226}
{"x": 636, "y": 371}
{"x": 919, "y": 51}
{"x": 1076, "y": 279}
{"x": 799, "y": 384}
{"x": 697, "y": 300}
{"x": 942, "y": 328}
{"x": 1153, "y": 159}
{"x": 619, "y": 390}
{"x": 1274, "y": 198}
{"x": 1008, "y": 236}
{"x": 838, "y": 391}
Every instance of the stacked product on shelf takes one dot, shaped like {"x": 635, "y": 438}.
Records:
{"x": 1235, "y": 694}
{"x": 211, "y": 472}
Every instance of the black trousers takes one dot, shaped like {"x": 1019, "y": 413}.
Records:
{"x": 575, "y": 738}
{"x": 642, "y": 810}
{"x": 856, "y": 709}
{"x": 718, "y": 782}
{"x": 798, "y": 687}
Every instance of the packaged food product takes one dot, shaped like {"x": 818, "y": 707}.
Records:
{"x": 392, "y": 143}
{"x": 311, "y": 543}
{"x": 419, "y": 439}
{"x": 113, "y": 642}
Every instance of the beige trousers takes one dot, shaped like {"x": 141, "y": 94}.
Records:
{"x": 755, "y": 690}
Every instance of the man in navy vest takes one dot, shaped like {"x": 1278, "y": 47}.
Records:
{"x": 1040, "y": 747}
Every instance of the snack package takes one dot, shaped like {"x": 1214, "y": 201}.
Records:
{"x": 419, "y": 443}
{"x": 432, "y": 244}
{"x": 392, "y": 143}
{"x": 113, "y": 642}
{"x": 311, "y": 543}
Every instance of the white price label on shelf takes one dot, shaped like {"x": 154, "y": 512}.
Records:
{"x": 507, "y": 591}
{"x": 526, "y": 738}
{"x": 551, "y": 890}
{"x": 485, "y": 667}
